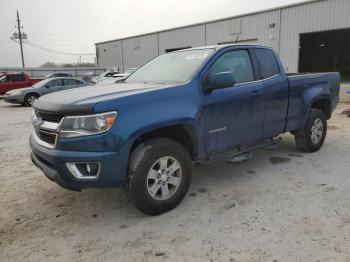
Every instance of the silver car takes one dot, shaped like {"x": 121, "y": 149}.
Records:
{"x": 27, "y": 96}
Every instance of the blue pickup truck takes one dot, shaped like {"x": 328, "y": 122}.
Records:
{"x": 183, "y": 108}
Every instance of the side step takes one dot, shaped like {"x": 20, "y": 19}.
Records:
{"x": 273, "y": 144}
{"x": 243, "y": 153}
{"x": 240, "y": 158}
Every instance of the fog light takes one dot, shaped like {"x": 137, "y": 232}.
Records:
{"x": 92, "y": 168}
{"x": 84, "y": 170}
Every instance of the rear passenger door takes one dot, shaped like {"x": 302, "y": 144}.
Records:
{"x": 276, "y": 93}
{"x": 71, "y": 83}
{"x": 233, "y": 116}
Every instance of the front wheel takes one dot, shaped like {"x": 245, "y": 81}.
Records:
{"x": 159, "y": 175}
{"x": 312, "y": 136}
{"x": 30, "y": 99}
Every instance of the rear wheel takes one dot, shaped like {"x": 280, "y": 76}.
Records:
{"x": 312, "y": 136}
{"x": 30, "y": 99}
{"x": 159, "y": 175}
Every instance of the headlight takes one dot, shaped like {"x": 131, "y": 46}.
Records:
{"x": 14, "y": 93}
{"x": 74, "y": 126}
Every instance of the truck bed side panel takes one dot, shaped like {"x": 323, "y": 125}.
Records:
{"x": 306, "y": 89}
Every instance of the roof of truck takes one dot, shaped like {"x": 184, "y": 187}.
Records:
{"x": 217, "y": 47}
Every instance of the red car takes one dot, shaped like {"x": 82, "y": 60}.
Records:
{"x": 10, "y": 81}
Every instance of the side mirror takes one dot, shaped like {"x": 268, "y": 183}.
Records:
{"x": 47, "y": 86}
{"x": 219, "y": 80}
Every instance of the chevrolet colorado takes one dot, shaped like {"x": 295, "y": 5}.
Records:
{"x": 190, "y": 106}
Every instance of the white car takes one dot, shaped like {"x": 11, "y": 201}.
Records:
{"x": 122, "y": 76}
{"x": 102, "y": 76}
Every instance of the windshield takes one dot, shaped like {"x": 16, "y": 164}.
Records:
{"x": 178, "y": 67}
{"x": 49, "y": 75}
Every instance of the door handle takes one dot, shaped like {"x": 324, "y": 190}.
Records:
{"x": 255, "y": 93}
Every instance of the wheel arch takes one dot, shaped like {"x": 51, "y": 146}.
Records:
{"x": 324, "y": 104}
{"x": 183, "y": 133}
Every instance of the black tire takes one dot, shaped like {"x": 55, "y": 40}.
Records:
{"x": 303, "y": 137}
{"x": 141, "y": 162}
{"x": 29, "y": 99}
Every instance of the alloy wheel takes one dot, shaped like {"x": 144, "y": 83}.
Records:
{"x": 164, "y": 178}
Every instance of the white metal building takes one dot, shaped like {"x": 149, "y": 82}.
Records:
{"x": 309, "y": 36}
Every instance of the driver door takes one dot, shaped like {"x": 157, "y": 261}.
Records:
{"x": 233, "y": 116}
{"x": 52, "y": 86}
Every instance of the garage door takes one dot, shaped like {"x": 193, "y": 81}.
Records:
{"x": 326, "y": 51}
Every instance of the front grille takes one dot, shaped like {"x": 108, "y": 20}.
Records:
{"x": 49, "y": 117}
{"x": 47, "y": 137}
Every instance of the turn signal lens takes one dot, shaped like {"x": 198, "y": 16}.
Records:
{"x": 110, "y": 121}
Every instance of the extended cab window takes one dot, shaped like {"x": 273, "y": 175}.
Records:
{"x": 238, "y": 62}
{"x": 267, "y": 63}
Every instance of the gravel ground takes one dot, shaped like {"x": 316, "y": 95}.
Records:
{"x": 344, "y": 96}
{"x": 281, "y": 205}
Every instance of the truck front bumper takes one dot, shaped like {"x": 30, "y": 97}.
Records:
{"x": 53, "y": 162}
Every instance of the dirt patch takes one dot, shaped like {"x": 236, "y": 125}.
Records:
{"x": 332, "y": 127}
{"x": 278, "y": 160}
{"x": 295, "y": 155}
{"x": 202, "y": 190}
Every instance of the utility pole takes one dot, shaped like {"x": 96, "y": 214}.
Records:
{"x": 20, "y": 36}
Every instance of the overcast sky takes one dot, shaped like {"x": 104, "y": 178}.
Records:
{"x": 74, "y": 26}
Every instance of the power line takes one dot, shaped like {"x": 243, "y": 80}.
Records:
{"x": 54, "y": 51}
{"x": 66, "y": 35}
{"x": 65, "y": 42}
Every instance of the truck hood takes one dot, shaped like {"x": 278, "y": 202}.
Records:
{"x": 82, "y": 100}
